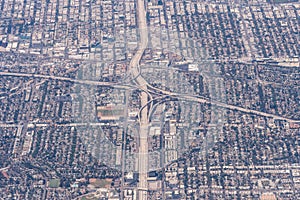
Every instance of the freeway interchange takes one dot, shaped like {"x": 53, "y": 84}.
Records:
{"x": 153, "y": 90}
{"x": 146, "y": 99}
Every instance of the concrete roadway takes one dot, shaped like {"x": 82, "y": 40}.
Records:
{"x": 142, "y": 83}
{"x": 199, "y": 99}
{"x": 145, "y": 87}
{"x": 149, "y": 88}
{"x": 88, "y": 82}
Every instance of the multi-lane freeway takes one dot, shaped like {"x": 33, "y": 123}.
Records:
{"x": 147, "y": 88}
{"x": 142, "y": 156}
{"x": 88, "y": 82}
{"x": 146, "y": 99}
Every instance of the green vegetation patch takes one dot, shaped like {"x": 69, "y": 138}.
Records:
{"x": 54, "y": 183}
{"x": 100, "y": 183}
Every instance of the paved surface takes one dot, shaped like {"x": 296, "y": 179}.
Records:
{"x": 89, "y": 82}
{"x": 142, "y": 83}
{"x": 147, "y": 88}
{"x": 199, "y": 99}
